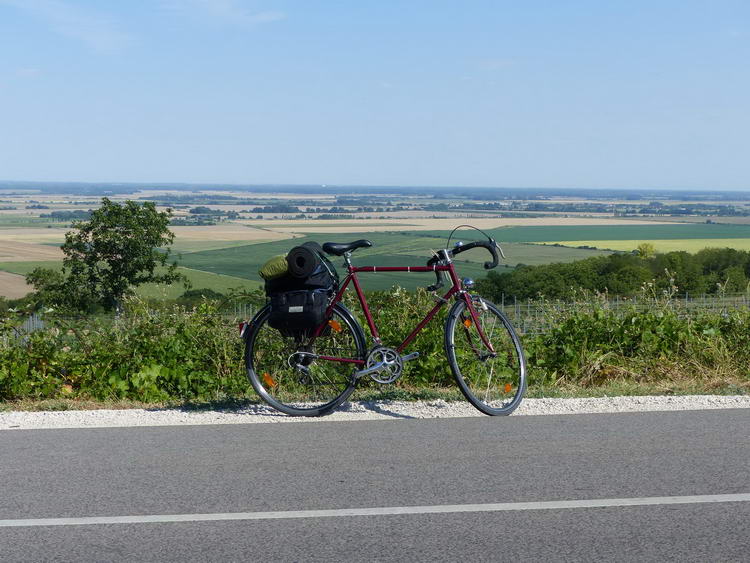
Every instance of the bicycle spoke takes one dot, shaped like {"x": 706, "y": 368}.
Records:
{"x": 290, "y": 372}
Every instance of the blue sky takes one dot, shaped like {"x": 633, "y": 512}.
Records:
{"x": 478, "y": 93}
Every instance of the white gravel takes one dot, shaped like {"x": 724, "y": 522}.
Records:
{"x": 376, "y": 410}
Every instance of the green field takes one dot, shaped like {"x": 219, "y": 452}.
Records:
{"x": 220, "y": 265}
{"x": 24, "y": 268}
{"x": 199, "y": 280}
{"x": 390, "y": 249}
{"x": 188, "y": 246}
{"x": 12, "y": 221}
{"x": 664, "y": 245}
{"x": 618, "y": 232}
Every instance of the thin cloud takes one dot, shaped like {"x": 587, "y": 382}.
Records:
{"x": 94, "y": 29}
{"x": 227, "y": 12}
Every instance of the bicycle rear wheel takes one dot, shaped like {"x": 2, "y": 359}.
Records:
{"x": 493, "y": 380}
{"x": 286, "y": 372}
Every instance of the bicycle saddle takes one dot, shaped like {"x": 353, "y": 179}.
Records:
{"x": 339, "y": 248}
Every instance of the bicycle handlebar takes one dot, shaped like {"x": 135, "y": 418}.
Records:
{"x": 490, "y": 245}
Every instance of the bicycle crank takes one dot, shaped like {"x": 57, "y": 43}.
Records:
{"x": 384, "y": 365}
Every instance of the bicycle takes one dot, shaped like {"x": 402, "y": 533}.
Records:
{"x": 312, "y": 374}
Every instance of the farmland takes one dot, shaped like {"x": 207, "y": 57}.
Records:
{"x": 662, "y": 245}
{"x": 12, "y": 285}
{"x": 225, "y": 248}
{"x": 665, "y": 238}
{"x": 674, "y": 231}
{"x": 11, "y": 278}
{"x": 389, "y": 249}
{"x": 23, "y": 251}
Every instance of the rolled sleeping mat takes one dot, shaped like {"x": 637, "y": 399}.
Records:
{"x": 303, "y": 259}
{"x": 275, "y": 267}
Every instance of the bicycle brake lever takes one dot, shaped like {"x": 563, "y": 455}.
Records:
{"x": 438, "y": 283}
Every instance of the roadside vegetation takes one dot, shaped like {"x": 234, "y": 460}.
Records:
{"x": 113, "y": 329}
{"x": 193, "y": 355}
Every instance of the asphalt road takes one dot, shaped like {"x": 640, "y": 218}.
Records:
{"x": 233, "y": 469}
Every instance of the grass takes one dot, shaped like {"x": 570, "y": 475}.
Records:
{"x": 663, "y": 245}
{"x": 198, "y": 278}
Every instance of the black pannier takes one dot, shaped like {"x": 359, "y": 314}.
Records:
{"x": 297, "y": 312}
{"x": 299, "y": 298}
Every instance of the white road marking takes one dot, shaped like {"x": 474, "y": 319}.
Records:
{"x": 378, "y": 511}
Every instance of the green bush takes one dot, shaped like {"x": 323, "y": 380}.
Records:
{"x": 144, "y": 355}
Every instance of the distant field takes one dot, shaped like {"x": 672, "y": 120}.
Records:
{"x": 688, "y": 245}
{"x": 390, "y": 249}
{"x": 34, "y": 235}
{"x": 334, "y": 223}
{"x": 23, "y": 221}
{"x": 226, "y": 231}
{"x": 198, "y": 279}
{"x": 647, "y": 232}
{"x": 13, "y": 286}
{"x": 186, "y": 246}
{"x": 24, "y": 268}
{"x": 422, "y": 223}
{"x": 11, "y": 251}
{"x": 229, "y": 254}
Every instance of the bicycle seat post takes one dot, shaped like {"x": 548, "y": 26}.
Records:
{"x": 348, "y": 260}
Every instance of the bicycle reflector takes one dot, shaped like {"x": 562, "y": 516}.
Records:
{"x": 335, "y": 325}
{"x": 268, "y": 379}
{"x": 467, "y": 323}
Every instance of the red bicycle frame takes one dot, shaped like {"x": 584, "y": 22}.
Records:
{"x": 455, "y": 288}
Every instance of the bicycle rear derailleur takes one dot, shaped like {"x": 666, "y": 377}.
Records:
{"x": 384, "y": 365}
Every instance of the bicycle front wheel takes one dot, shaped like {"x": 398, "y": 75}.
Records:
{"x": 493, "y": 379}
{"x": 288, "y": 373}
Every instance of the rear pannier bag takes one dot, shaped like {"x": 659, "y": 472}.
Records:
{"x": 298, "y": 312}
{"x": 299, "y": 298}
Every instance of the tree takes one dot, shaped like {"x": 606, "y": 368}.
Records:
{"x": 121, "y": 247}
{"x": 646, "y": 250}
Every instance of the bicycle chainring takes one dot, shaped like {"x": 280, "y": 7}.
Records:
{"x": 392, "y": 364}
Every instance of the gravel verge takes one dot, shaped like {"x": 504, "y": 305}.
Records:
{"x": 371, "y": 410}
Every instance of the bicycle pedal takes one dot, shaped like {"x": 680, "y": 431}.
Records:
{"x": 408, "y": 357}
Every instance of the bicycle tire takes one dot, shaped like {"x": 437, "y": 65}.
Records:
{"x": 494, "y": 384}
{"x": 268, "y": 358}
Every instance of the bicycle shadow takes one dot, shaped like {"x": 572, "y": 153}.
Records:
{"x": 375, "y": 407}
